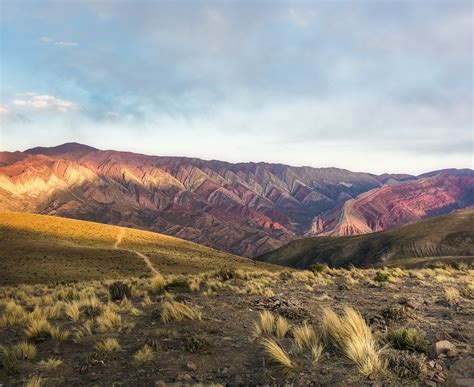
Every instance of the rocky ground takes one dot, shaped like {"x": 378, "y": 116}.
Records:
{"x": 214, "y": 341}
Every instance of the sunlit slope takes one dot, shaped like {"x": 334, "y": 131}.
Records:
{"x": 441, "y": 239}
{"x": 39, "y": 248}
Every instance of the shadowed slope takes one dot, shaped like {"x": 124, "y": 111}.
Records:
{"x": 438, "y": 239}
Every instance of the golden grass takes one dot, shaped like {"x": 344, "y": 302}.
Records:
{"x": 316, "y": 352}
{"x": 35, "y": 381}
{"x": 277, "y": 353}
{"x": 107, "y": 345}
{"x": 24, "y": 350}
{"x": 265, "y": 325}
{"x": 109, "y": 319}
{"x": 50, "y": 364}
{"x": 451, "y": 294}
{"x": 304, "y": 336}
{"x": 282, "y": 327}
{"x": 353, "y": 337}
{"x": 157, "y": 283}
{"x": 39, "y": 330}
{"x": 72, "y": 311}
{"x": 173, "y": 310}
{"x": 144, "y": 355}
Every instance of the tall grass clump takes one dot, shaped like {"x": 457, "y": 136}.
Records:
{"x": 352, "y": 336}
{"x": 173, "y": 310}
{"x": 277, "y": 353}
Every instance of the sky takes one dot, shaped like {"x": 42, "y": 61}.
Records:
{"x": 376, "y": 86}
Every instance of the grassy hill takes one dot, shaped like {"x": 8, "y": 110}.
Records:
{"x": 439, "y": 239}
{"x": 42, "y": 249}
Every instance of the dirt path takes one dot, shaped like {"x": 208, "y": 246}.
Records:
{"x": 147, "y": 261}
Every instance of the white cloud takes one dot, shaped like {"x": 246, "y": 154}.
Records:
{"x": 65, "y": 44}
{"x": 58, "y": 43}
{"x": 44, "y": 102}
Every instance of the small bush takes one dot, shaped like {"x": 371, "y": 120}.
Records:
{"x": 381, "y": 276}
{"x": 406, "y": 366}
{"x": 407, "y": 339}
{"x": 119, "y": 290}
{"x": 144, "y": 355}
{"x": 107, "y": 345}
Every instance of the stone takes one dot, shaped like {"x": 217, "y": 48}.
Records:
{"x": 191, "y": 366}
{"x": 444, "y": 347}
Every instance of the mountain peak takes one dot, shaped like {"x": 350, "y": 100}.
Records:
{"x": 68, "y": 147}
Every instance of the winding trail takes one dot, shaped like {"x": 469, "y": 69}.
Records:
{"x": 147, "y": 261}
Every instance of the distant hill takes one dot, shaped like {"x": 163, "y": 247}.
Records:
{"x": 442, "y": 239}
{"x": 246, "y": 209}
{"x": 39, "y": 248}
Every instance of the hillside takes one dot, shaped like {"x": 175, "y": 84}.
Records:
{"x": 441, "y": 238}
{"x": 246, "y": 209}
{"x": 39, "y": 248}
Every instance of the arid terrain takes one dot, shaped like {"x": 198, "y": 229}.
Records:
{"x": 89, "y": 304}
{"x": 240, "y": 327}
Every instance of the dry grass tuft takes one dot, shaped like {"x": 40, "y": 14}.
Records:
{"x": 72, "y": 311}
{"x": 265, "y": 325}
{"x": 35, "y": 381}
{"x": 451, "y": 294}
{"x": 107, "y": 345}
{"x": 144, "y": 355}
{"x": 282, "y": 327}
{"x": 157, "y": 283}
{"x": 50, "y": 364}
{"x": 353, "y": 337}
{"x": 39, "y": 330}
{"x": 304, "y": 336}
{"x": 24, "y": 350}
{"x": 109, "y": 319}
{"x": 173, "y": 310}
{"x": 277, "y": 353}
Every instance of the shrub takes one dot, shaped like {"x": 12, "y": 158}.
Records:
{"x": 119, "y": 290}
{"x": 381, "y": 276}
{"x": 406, "y": 365}
{"x": 407, "y": 339}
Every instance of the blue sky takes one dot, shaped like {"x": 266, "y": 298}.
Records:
{"x": 364, "y": 85}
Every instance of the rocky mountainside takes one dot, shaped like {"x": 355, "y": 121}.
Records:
{"x": 395, "y": 205}
{"x": 244, "y": 208}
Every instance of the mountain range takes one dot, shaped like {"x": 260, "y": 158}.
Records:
{"x": 243, "y": 208}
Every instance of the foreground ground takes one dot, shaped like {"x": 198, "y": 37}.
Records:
{"x": 211, "y": 328}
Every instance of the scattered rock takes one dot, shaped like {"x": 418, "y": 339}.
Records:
{"x": 191, "y": 366}
{"x": 443, "y": 347}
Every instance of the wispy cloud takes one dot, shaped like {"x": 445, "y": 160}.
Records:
{"x": 58, "y": 43}
{"x": 43, "y": 102}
